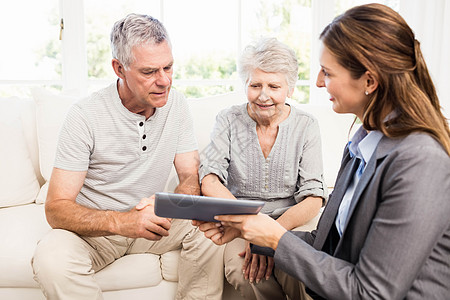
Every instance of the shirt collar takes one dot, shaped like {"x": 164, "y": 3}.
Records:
{"x": 363, "y": 144}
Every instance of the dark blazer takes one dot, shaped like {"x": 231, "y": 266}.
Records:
{"x": 396, "y": 243}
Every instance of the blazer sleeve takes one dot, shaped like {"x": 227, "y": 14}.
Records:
{"x": 410, "y": 220}
{"x": 267, "y": 251}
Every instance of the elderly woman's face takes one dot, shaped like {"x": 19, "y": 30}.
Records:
{"x": 266, "y": 93}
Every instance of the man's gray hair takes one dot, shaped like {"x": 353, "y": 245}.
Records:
{"x": 269, "y": 55}
{"x": 134, "y": 30}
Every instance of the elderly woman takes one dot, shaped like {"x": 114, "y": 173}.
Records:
{"x": 385, "y": 232}
{"x": 265, "y": 150}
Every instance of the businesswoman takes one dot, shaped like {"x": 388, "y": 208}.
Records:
{"x": 385, "y": 232}
{"x": 265, "y": 150}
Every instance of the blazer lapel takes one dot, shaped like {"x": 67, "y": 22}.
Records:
{"x": 384, "y": 147}
{"x": 329, "y": 214}
{"x": 364, "y": 180}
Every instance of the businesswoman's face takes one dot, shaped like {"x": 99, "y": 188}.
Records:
{"x": 346, "y": 93}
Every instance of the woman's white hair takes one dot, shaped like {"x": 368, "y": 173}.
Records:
{"x": 133, "y": 30}
{"x": 269, "y": 55}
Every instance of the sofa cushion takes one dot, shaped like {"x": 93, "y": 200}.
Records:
{"x": 28, "y": 117}
{"x": 204, "y": 112}
{"x": 51, "y": 110}
{"x": 21, "y": 227}
{"x": 334, "y": 127}
{"x": 30, "y": 225}
{"x": 18, "y": 181}
{"x": 130, "y": 272}
{"x": 169, "y": 265}
{"x": 335, "y": 134}
{"x": 139, "y": 270}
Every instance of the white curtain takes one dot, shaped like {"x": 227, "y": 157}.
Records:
{"x": 430, "y": 21}
{"x": 74, "y": 57}
{"x": 323, "y": 13}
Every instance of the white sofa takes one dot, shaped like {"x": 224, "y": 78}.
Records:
{"x": 28, "y": 133}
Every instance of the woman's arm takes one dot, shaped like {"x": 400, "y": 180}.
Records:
{"x": 410, "y": 221}
{"x": 301, "y": 213}
{"x": 410, "y": 225}
{"x": 213, "y": 187}
{"x": 311, "y": 190}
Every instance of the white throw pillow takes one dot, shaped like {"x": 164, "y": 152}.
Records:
{"x": 51, "y": 111}
{"x": 18, "y": 182}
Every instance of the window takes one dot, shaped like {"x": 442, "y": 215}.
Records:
{"x": 99, "y": 17}
{"x": 207, "y": 36}
{"x": 30, "y": 53}
{"x": 205, "y": 54}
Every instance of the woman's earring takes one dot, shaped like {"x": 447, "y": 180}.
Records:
{"x": 367, "y": 93}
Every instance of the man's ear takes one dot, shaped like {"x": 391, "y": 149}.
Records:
{"x": 371, "y": 82}
{"x": 118, "y": 68}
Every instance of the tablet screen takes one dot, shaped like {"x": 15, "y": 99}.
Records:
{"x": 192, "y": 207}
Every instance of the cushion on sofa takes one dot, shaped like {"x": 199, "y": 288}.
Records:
{"x": 130, "y": 272}
{"x": 138, "y": 271}
{"x": 169, "y": 265}
{"x": 17, "y": 246}
{"x": 204, "y": 112}
{"x": 51, "y": 110}
{"x": 28, "y": 221}
{"x": 334, "y": 127}
{"x": 28, "y": 117}
{"x": 335, "y": 132}
{"x": 18, "y": 181}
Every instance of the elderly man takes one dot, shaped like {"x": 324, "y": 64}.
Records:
{"x": 116, "y": 149}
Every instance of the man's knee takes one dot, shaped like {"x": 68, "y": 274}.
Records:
{"x": 54, "y": 254}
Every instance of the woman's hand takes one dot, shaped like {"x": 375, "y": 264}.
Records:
{"x": 216, "y": 232}
{"x": 258, "y": 229}
{"x": 256, "y": 266}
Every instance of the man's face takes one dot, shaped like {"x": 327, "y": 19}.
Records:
{"x": 148, "y": 79}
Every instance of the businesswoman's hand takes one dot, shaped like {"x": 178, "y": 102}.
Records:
{"x": 258, "y": 229}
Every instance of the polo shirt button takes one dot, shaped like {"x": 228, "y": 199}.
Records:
{"x": 144, "y": 136}
{"x": 141, "y": 123}
{"x": 144, "y": 148}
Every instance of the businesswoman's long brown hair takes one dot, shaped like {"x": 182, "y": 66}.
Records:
{"x": 377, "y": 39}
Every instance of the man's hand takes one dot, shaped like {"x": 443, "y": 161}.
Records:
{"x": 141, "y": 222}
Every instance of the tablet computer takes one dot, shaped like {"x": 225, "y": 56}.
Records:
{"x": 191, "y": 207}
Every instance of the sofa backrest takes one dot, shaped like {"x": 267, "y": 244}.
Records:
{"x": 19, "y": 176}
{"x": 334, "y": 127}
{"x": 335, "y": 134}
{"x": 28, "y": 116}
{"x": 47, "y": 111}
